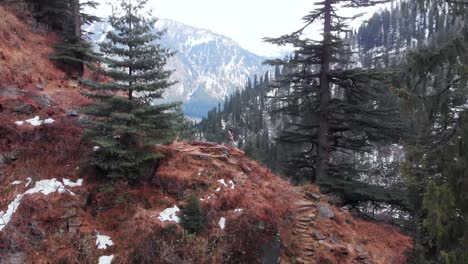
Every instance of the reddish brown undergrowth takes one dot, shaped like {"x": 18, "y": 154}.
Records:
{"x": 24, "y": 54}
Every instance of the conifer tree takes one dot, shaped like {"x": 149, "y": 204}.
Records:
{"x": 66, "y": 17}
{"x": 434, "y": 92}
{"x": 127, "y": 122}
{"x": 193, "y": 218}
{"x": 337, "y": 111}
{"x": 75, "y": 48}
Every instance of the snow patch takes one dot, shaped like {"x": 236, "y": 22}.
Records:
{"x": 169, "y": 214}
{"x": 36, "y": 121}
{"x": 232, "y": 184}
{"x": 222, "y": 223}
{"x": 238, "y": 210}
{"x": 105, "y": 259}
{"x": 29, "y": 182}
{"x": 15, "y": 183}
{"x": 67, "y": 182}
{"x": 45, "y": 187}
{"x": 223, "y": 182}
{"x": 219, "y": 189}
{"x": 102, "y": 241}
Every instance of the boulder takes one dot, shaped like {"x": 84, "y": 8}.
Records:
{"x": 83, "y": 119}
{"x": 313, "y": 196}
{"x": 318, "y": 236}
{"x": 25, "y": 109}
{"x": 72, "y": 112}
{"x": 74, "y": 224}
{"x": 44, "y": 99}
{"x": 8, "y": 157}
{"x": 325, "y": 211}
{"x": 40, "y": 86}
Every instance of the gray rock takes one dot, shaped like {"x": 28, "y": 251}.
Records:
{"x": 360, "y": 248}
{"x": 335, "y": 239}
{"x": 318, "y": 236}
{"x": 74, "y": 224}
{"x": 10, "y": 91}
{"x": 83, "y": 119}
{"x": 72, "y": 112}
{"x": 14, "y": 258}
{"x": 325, "y": 210}
{"x": 363, "y": 256}
{"x": 313, "y": 196}
{"x": 44, "y": 99}
{"x": 245, "y": 168}
{"x": 9, "y": 157}
{"x": 26, "y": 109}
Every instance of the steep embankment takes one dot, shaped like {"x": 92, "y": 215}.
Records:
{"x": 55, "y": 210}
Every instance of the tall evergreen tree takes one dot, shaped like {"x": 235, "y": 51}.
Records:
{"x": 126, "y": 121}
{"x": 66, "y": 17}
{"x": 338, "y": 111}
{"x": 435, "y": 96}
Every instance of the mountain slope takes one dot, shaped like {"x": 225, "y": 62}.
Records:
{"x": 53, "y": 209}
{"x": 208, "y": 66}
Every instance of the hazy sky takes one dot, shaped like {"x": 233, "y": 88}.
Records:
{"x": 244, "y": 21}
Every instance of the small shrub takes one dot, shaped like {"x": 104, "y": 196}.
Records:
{"x": 193, "y": 219}
{"x": 170, "y": 229}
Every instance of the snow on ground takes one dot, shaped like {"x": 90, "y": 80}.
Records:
{"x": 169, "y": 214}
{"x": 45, "y": 187}
{"x": 105, "y": 259}
{"x": 36, "y": 121}
{"x": 102, "y": 241}
{"x": 29, "y": 182}
{"x": 238, "y": 210}
{"x": 223, "y": 182}
{"x": 67, "y": 182}
{"x": 222, "y": 223}
{"x": 15, "y": 183}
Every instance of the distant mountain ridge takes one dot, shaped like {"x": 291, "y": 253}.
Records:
{"x": 208, "y": 66}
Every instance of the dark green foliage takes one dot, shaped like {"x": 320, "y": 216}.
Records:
{"x": 66, "y": 17}
{"x": 193, "y": 218}
{"x": 127, "y": 124}
{"x": 338, "y": 112}
{"x": 434, "y": 91}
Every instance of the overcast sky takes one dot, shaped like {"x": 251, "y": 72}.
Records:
{"x": 244, "y": 21}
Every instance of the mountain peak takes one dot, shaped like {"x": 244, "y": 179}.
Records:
{"x": 208, "y": 66}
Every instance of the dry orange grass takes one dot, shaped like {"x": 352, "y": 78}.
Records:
{"x": 24, "y": 54}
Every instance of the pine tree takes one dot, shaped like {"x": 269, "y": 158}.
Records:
{"x": 193, "y": 219}
{"x": 337, "y": 111}
{"x": 435, "y": 96}
{"x": 127, "y": 123}
{"x": 66, "y": 17}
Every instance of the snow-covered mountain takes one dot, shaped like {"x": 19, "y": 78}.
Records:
{"x": 208, "y": 66}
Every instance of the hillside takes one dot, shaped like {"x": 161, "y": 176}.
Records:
{"x": 208, "y": 66}
{"x": 56, "y": 210}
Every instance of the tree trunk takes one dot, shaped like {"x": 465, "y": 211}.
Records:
{"x": 75, "y": 10}
{"x": 323, "y": 145}
{"x": 75, "y": 6}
